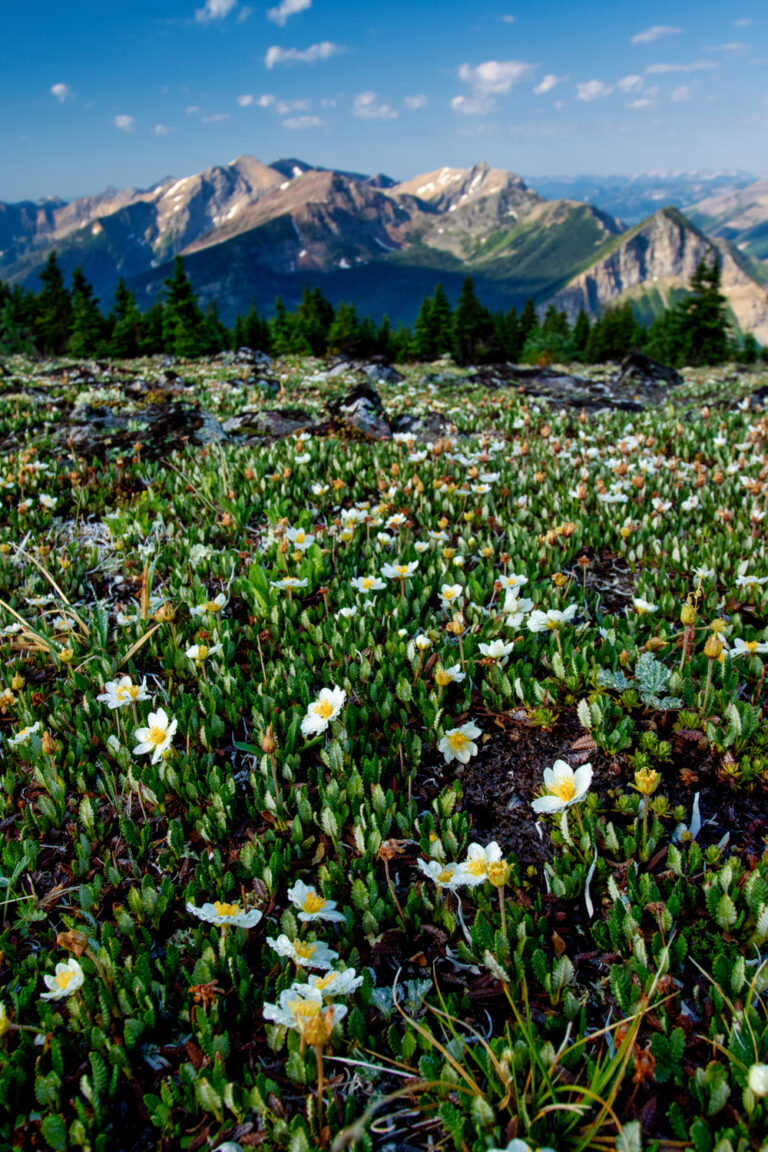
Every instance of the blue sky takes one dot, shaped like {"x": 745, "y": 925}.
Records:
{"x": 123, "y": 92}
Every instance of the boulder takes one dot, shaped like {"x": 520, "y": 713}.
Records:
{"x": 158, "y": 429}
{"x": 639, "y": 369}
{"x": 267, "y": 422}
{"x": 360, "y": 412}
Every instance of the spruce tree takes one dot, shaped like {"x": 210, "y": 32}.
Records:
{"x": 126, "y": 337}
{"x": 344, "y": 335}
{"x": 183, "y": 322}
{"x": 472, "y": 324}
{"x": 580, "y": 335}
{"x": 706, "y": 317}
{"x": 54, "y": 311}
{"x": 314, "y": 317}
{"x": 87, "y": 321}
{"x": 424, "y": 343}
{"x": 441, "y": 320}
{"x": 527, "y": 322}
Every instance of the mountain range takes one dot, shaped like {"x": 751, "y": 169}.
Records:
{"x": 249, "y": 231}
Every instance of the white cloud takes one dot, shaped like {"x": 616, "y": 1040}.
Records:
{"x": 743, "y": 23}
{"x": 415, "y": 102}
{"x": 684, "y": 92}
{"x": 547, "y": 84}
{"x": 303, "y": 122}
{"x": 734, "y": 47}
{"x": 508, "y": 19}
{"x": 665, "y": 69}
{"x": 215, "y": 117}
{"x": 630, "y": 83}
{"x": 495, "y": 76}
{"x": 366, "y": 106}
{"x": 125, "y": 123}
{"x": 489, "y": 79}
{"x": 265, "y": 100}
{"x": 655, "y": 33}
{"x": 246, "y": 100}
{"x": 285, "y": 9}
{"x": 283, "y": 107}
{"x": 62, "y": 92}
{"x": 473, "y": 105}
{"x": 192, "y": 110}
{"x": 243, "y": 14}
{"x": 214, "y": 10}
{"x": 162, "y": 130}
{"x": 592, "y": 90}
{"x": 320, "y": 51}
{"x": 643, "y": 102}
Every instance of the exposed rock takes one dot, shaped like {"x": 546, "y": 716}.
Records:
{"x": 432, "y": 426}
{"x": 360, "y": 412}
{"x": 637, "y": 368}
{"x": 158, "y": 429}
{"x": 267, "y": 422}
{"x": 380, "y": 372}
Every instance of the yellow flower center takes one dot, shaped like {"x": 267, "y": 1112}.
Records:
{"x": 457, "y": 740}
{"x": 212, "y": 606}
{"x": 751, "y": 645}
{"x": 63, "y": 979}
{"x": 303, "y": 951}
{"x": 402, "y": 569}
{"x": 563, "y": 788}
{"x": 476, "y": 866}
{"x": 445, "y": 876}
{"x": 368, "y": 582}
{"x": 156, "y": 736}
{"x": 125, "y": 692}
{"x": 325, "y": 982}
{"x": 226, "y": 909}
{"x": 442, "y": 677}
{"x": 323, "y": 708}
{"x": 553, "y": 625}
{"x": 202, "y": 651}
{"x": 448, "y": 594}
{"x": 313, "y": 902}
{"x": 300, "y": 537}
{"x": 305, "y": 1009}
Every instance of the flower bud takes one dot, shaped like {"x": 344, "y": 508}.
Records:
{"x": 758, "y": 1079}
{"x": 646, "y": 781}
{"x": 688, "y": 613}
{"x": 498, "y": 873}
{"x": 268, "y": 741}
{"x": 713, "y": 647}
{"x": 18, "y": 682}
{"x": 66, "y": 655}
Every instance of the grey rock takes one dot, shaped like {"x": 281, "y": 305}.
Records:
{"x": 267, "y": 422}
{"x": 158, "y": 429}
{"x": 360, "y": 412}
{"x": 637, "y": 368}
{"x": 432, "y": 426}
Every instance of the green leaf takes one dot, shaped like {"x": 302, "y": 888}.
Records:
{"x": 54, "y": 1131}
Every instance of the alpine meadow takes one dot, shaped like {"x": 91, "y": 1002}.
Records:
{"x": 384, "y": 578}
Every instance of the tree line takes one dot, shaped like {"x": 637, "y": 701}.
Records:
{"x": 60, "y": 320}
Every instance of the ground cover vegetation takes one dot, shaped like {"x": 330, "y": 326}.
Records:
{"x": 404, "y": 792}
{"x": 62, "y": 320}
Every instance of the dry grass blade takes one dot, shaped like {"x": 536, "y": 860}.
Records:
{"x": 44, "y": 571}
{"x": 43, "y": 644}
{"x": 135, "y": 647}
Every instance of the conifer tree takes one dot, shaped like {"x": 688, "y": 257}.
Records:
{"x": 472, "y": 324}
{"x": 54, "y": 310}
{"x": 87, "y": 321}
{"x": 344, "y": 334}
{"x": 126, "y": 338}
{"x": 706, "y": 317}
{"x": 424, "y": 343}
{"x": 183, "y": 332}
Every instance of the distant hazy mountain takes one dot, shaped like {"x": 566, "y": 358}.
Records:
{"x": 739, "y": 215}
{"x": 249, "y": 231}
{"x": 633, "y": 198}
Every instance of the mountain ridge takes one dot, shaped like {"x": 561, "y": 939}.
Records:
{"x": 248, "y": 230}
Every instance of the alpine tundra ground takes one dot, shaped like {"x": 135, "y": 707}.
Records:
{"x": 406, "y": 792}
